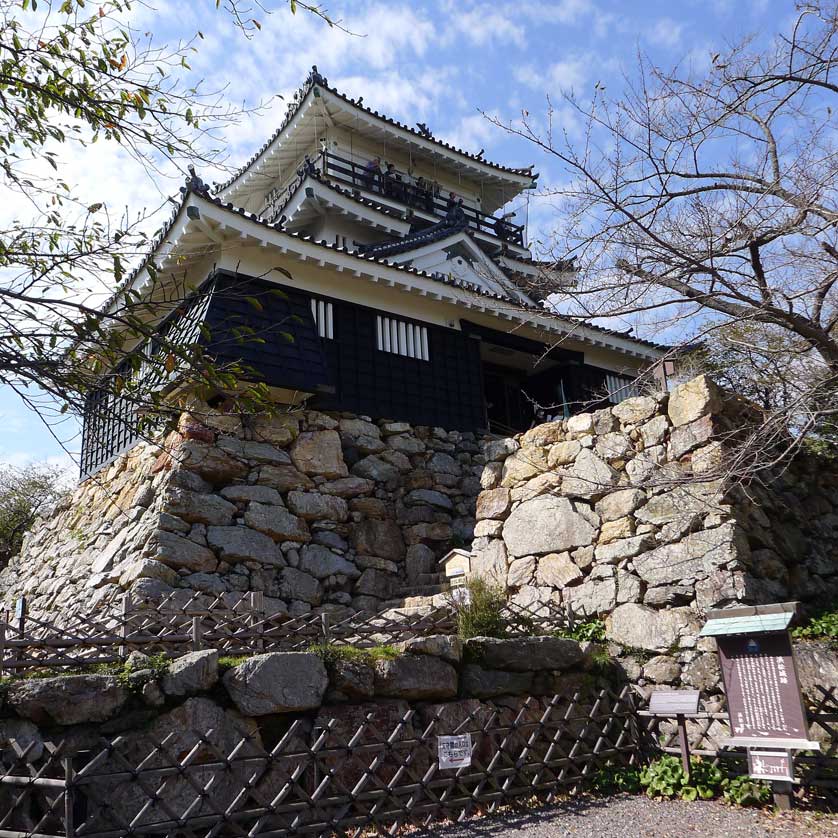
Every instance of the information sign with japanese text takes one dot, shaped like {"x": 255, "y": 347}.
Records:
{"x": 454, "y": 751}
{"x": 760, "y": 679}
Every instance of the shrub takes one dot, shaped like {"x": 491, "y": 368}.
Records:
{"x": 665, "y": 777}
{"x": 743, "y": 791}
{"x": 331, "y": 653}
{"x": 481, "y": 614}
{"x": 591, "y": 629}
{"x": 822, "y": 624}
{"x": 614, "y": 779}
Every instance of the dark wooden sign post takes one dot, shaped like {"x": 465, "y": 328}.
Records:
{"x": 764, "y": 702}
{"x": 677, "y": 704}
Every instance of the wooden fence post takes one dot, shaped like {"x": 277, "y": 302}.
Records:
{"x": 197, "y": 634}
{"x": 257, "y": 606}
{"x": 123, "y": 628}
{"x": 324, "y": 623}
{"x": 69, "y": 798}
{"x": 20, "y": 615}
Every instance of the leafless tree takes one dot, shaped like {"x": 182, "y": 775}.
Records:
{"x": 706, "y": 197}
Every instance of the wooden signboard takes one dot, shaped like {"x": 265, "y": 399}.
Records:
{"x": 760, "y": 680}
{"x": 770, "y": 765}
{"x": 673, "y": 702}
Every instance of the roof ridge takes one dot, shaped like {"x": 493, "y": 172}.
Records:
{"x": 314, "y": 79}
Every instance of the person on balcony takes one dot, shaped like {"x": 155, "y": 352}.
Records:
{"x": 390, "y": 181}
{"x": 502, "y": 226}
{"x": 424, "y": 194}
{"x": 372, "y": 175}
{"x": 456, "y": 215}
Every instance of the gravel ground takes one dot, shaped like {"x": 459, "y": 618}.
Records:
{"x": 636, "y": 816}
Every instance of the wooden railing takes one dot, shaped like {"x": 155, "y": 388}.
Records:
{"x": 429, "y": 200}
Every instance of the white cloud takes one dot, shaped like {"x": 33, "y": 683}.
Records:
{"x": 480, "y": 26}
{"x": 666, "y": 32}
{"x": 565, "y": 75}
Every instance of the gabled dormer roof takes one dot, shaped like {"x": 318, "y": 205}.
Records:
{"x": 317, "y": 105}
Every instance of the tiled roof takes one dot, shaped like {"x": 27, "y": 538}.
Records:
{"x": 196, "y": 186}
{"x": 314, "y": 80}
{"x": 436, "y": 232}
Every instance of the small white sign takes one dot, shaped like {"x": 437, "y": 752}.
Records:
{"x": 454, "y": 751}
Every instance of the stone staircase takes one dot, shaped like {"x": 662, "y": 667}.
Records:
{"x": 425, "y": 589}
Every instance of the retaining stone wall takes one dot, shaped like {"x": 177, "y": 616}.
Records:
{"x": 319, "y": 512}
{"x": 628, "y": 513}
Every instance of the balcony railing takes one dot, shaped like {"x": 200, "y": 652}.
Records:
{"x": 398, "y": 186}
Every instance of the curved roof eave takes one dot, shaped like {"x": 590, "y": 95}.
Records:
{"x": 577, "y": 328}
{"x": 521, "y": 176}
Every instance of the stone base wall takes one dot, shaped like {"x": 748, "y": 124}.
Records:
{"x": 318, "y": 512}
{"x": 630, "y": 514}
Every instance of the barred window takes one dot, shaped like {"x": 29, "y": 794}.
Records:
{"x": 620, "y": 388}
{"x": 402, "y": 338}
{"x": 323, "y": 316}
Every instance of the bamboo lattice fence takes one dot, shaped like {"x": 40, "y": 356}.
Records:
{"x": 316, "y": 780}
{"x": 234, "y": 624}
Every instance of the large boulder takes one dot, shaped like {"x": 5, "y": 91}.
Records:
{"x": 382, "y": 538}
{"x": 277, "y": 522}
{"x": 67, "y": 699}
{"x": 198, "y": 507}
{"x": 415, "y": 678}
{"x": 477, "y": 682}
{"x": 294, "y": 584}
{"x": 313, "y": 506}
{"x": 693, "y": 399}
{"x": 243, "y": 544}
{"x": 524, "y": 654}
{"x": 321, "y": 563}
{"x": 636, "y": 409}
{"x": 278, "y": 682}
{"x": 695, "y": 555}
{"x": 493, "y": 503}
{"x": 589, "y": 477}
{"x": 192, "y": 673}
{"x": 210, "y": 462}
{"x": 640, "y": 627}
{"x": 319, "y": 452}
{"x": 817, "y": 666}
{"x": 449, "y": 647}
{"x": 546, "y": 524}
{"x": 178, "y": 552}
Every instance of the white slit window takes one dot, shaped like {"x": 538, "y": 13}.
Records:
{"x": 321, "y": 311}
{"x": 402, "y": 338}
{"x": 620, "y": 388}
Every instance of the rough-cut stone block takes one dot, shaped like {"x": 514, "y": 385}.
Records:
{"x": 499, "y": 449}
{"x": 619, "y": 503}
{"x": 243, "y": 544}
{"x": 210, "y": 462}
{"x": 449, "y": 647}
{"x": 277, "y": 522}
{"x": 348, "y": 487}
{"x": 689, "y": 437}
{"x": 493, "y": 503}
{"x": 580, "y": 424}
{"x": 176, "y": 551}
{"x": 375, "y": 583}
{"x": 620, "y": 528}
{"x": 486, "y": 683}
{"x": 319, "y": 452}
{"x": 525, "y": 654}
{"x": 563, "y": 453}
{"x": 192, "y": 673}
{"x": 490, "y": 562}
{"x": 662, "y": 669}
{"x": 522, "y": 465}
{"x": 284, "y": 478}
{"x": 199, "y": 508}
{"x": 246, "y": 494}
{"x": 253, "y": 451}
{"x": 693, "y": 399}
{"x": 596, "y": 595}
{"x": 415, "y": 678}
{"x": 376, "y": 469}
{"x": 643, "y": 628}
{"x": 654, "y": 431}
{"x": 67, "y": 699}
{"x": 322, "y": 563}
{"x": 278, "y": 682}
{"x": 556, "y": 570}
{"x": 315, "y": 507}
{"x": 589, "y": 477}
{"x": 546, "y": 524}
{"x": 696, "y": 555}
{"x": 520, "y": 572}
{"x": 379, "y": 538}
{"x": 296, "y": 585}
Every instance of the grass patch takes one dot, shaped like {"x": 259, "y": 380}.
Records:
{"x": 226, "y": 662}
{"x": 331, "y": 653}
{"x": 591, "y": 629}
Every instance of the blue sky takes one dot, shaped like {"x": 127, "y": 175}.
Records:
{"x": 439, "y": 62}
